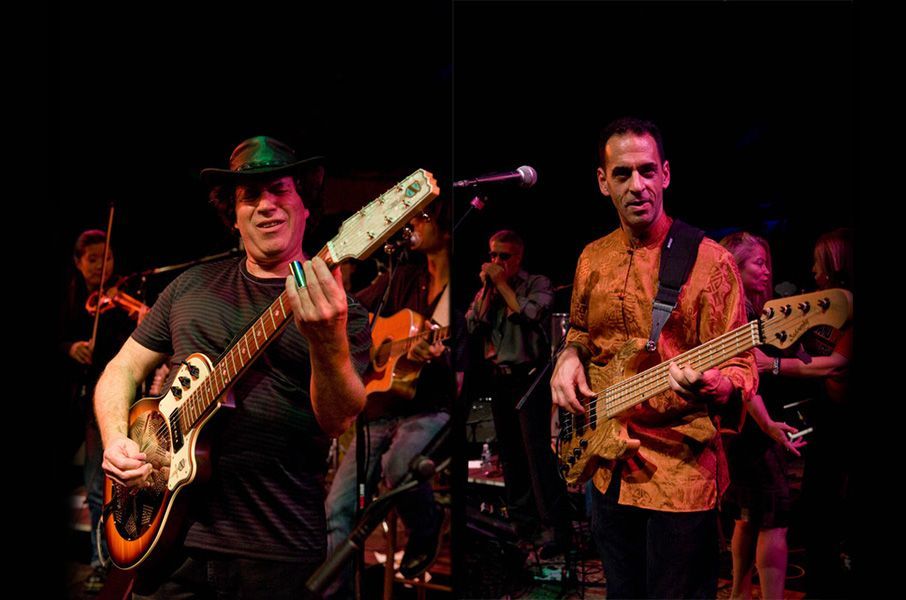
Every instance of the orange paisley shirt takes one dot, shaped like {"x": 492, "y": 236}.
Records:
{"x": 680, "y": 466}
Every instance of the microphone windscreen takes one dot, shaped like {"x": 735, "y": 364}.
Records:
{"x": 529, "y": 176}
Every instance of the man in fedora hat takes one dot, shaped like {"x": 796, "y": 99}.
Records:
{"x": 257, "y": 528}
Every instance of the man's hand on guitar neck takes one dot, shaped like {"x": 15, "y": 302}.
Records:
{"x": 422, "y": 351}
{"x": 319, "y": 306}
{"x": 125, "y": 464}
{"x": 320, "y": 310}
{"x": 709, "y": 386}
{"x": 567, "y": 378}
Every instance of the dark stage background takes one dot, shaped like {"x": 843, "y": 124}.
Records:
{"x": 755, "y": 101}
{"x": 142, "y": 97}
{"x": 147, "y": 98}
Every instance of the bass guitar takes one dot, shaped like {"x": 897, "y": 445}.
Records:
{"x": 141, "y": 523}
{"x": 633, "y": 376}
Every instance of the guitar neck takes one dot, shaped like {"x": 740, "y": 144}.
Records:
{"x": 651, "y": 382}
{"x": 238, "y": 358}
{"x": 400, "y": 347}
{"x": 359, "y": 236}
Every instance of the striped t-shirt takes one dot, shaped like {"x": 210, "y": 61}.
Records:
{"x": 266, "y": 497}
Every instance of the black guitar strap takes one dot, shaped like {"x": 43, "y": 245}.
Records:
{"x": 678, "y": 255}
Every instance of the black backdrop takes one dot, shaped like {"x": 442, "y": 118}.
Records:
{"x": 756, "y": 102}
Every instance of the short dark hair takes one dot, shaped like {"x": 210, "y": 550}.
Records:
{"x": 309, "y": 185}
{"x": 508, "y": 236}
{"x": 87, "y": 238}
{"x": 635, "y": 125}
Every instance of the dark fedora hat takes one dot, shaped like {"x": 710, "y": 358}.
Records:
{"x": 259, "y": 156}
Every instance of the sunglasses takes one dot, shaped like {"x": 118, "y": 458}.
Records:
{"x": 502, "y": 255}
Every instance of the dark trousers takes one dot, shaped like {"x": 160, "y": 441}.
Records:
{"x": 651, "y": 553}
{"x": 199, "y": 574}
{"x": 536, "y": 495}
{"x": 827, "y": 512}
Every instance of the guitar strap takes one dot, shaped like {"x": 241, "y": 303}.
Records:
{"x": 441, "y": 314}
{"x": 678, "y": 255}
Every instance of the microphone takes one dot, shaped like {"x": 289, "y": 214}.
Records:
{"x": 525, "y": 176}
{"x": 407, "y": 242}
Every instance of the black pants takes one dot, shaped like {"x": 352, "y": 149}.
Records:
{"x": 536, "y": 495}
{"x": 652, "y": 553}
{"x": 198, "y": 574}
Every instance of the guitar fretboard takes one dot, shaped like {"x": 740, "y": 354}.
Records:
{"x": 239, "y": 356}
{"x": 651, "y": 382}
{"x": 400, "y": 347}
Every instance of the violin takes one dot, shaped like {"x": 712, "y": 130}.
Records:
{"x": 114, "y": 298}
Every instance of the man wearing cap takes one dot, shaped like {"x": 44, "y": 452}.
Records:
{"x": 257, "y": 528}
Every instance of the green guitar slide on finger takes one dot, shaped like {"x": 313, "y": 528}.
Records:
{"x": 296, "y": 267}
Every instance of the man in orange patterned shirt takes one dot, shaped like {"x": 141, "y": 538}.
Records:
{"x": 653, "y": 515}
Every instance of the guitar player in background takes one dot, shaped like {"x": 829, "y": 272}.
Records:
{"x": 399, "y": 429}
{"x": 653, "y": 516}
{"x": 83, "y": 361}
{"x": 257, "y": 528}
{"x": 509, "y": 315}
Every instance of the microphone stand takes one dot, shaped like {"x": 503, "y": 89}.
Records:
{"x": 542, "y": 372}
{"x": 421, "y": 468}
{"x": 362, "y": 452}
{"x": 191, "y": 263}
{"x": 479, "y": 201}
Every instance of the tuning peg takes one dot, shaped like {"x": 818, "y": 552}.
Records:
{"x": 781, "y": 336}
{"x": 824, "y": 303}
{"x": 804, "y": 306}
{"x": 786, "y": 309}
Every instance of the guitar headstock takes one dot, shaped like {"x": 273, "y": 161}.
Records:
{"x": 784, "y": 320}
{"x": 370, "y": 227}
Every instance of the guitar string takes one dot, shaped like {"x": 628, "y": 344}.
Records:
{"x": 628, "y": 390}
{"x": 769, "y": 328}
{"x": 206, "y": 386}
{"x": 643, "y": 381}
{"x": 358, "y": 234}
{"x": 221, "y": 366}
{"x": 640, "y": 384}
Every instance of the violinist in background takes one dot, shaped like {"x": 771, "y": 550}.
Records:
{"x": 84, "y": 350}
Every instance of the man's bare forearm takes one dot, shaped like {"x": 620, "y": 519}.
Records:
{"x": 337, "y": 393}
{"x": 113, "y": 395}
{"x": 115, "y": 390}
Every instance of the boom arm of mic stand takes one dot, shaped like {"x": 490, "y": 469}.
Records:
{"x": 355, "y": 543}
{"x": 191, "y": 263}
{"x": 546, "y": 368}
{"x": 478, "y": 202}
